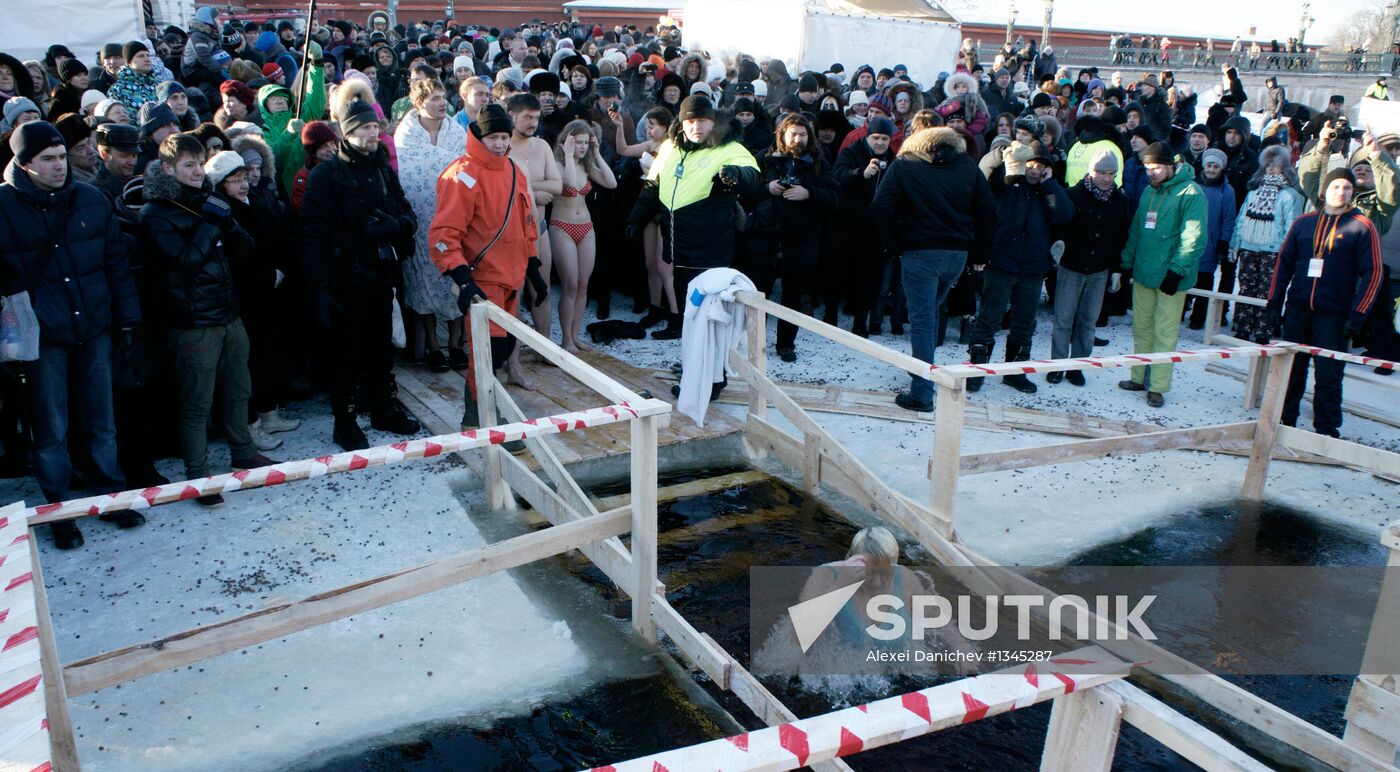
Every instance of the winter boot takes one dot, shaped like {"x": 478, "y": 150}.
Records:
{"x": 348, "y": 434}
{"x": 66, "y": 535}
{"x": 394, "y": 419}
{"x": 273, "y": 423}
{"x": 655, "y": 315}
{"x": 1019, "y": 382}
{"x": 673, "y": 328}
{"x": 858, "y": 326}
{"x": 262, "y": 440}
{"x": 964, "y": 330}
{"x": 979, "y": 354}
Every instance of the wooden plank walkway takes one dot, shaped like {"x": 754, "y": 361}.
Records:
{"x": 436, "y": 399}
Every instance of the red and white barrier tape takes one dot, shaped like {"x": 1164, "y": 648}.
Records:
{"x": 382, "y": 455}
{"x": 1384, "y": 364}
{"x": 24, "y": 725}
{"x": 1121, "y": 360}
{"x": 848, "y": 731}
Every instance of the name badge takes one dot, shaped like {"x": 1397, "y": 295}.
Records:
{"x": 1315, "y": 268}
{"x": 1150, "y": 221}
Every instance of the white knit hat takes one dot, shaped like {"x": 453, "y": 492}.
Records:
{"x": 91, "y": 97}
{"x": 760, "y": 88}
{"x": 224, "y": 163}
{"x": 463, "y": 62}
{"x": 858, "y": 97}
{"x": 715, "y": 71}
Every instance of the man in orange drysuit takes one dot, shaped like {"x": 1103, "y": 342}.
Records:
{"x": 483, "y": 234}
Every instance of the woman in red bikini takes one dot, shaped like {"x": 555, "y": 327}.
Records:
{"x": 571, "y": 236}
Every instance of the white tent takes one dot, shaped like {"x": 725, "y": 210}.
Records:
{"x": 82, "y": 25}
{"x": 812, "y": 34}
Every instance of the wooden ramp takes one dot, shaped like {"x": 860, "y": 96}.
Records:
{"x": 436, "y": 399}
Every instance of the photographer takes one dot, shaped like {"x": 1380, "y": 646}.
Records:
{"x": 798, "y": 194}
{"x": 859, "y": 169}
{"x": 1377, "y": 186}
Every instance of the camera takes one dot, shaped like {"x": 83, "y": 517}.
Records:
{"x": 1342, "y": 140}
{"x": 789, "y": 181}
{"x": 882, "y": 164}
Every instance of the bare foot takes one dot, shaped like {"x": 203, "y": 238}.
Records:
{"x": 516, "y": 375}
{"x": 581, "y": 346}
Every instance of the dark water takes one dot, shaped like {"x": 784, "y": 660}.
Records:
{"x": 706, "y": 545}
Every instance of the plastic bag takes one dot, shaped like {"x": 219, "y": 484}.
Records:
{"x": 19, "y": 329}
{"x": 398, "y": 336}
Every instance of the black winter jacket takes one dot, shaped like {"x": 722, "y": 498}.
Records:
{"x": 87, "y": 286}
{"x": 801, "y": 218}
{"x": 857, "y": 191}
{"x": 999, "y": 102}
{"x": 341, "y": 196}
{"x": 1243, "y": 161}
{"x": 934, "y": 197}
{"x": 192, "y": 256}
{"x": 1095, "y": 237}
{"x": 1157, "y": 115}
{"x": 1028, "y": 218}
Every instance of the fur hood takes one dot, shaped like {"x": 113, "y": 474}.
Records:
{"x": 936, "y": 145}
{"x": 777, "y": 76}
{"x": 1091, "y": 128}
{"x": 686, "y": 62}
{"x": 916, "y": 98}
{"x": 973, "y": 86}
{"x": 156, "y": 185}
{"x": 253, "y": 142}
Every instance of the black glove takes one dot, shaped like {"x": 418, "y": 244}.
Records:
{"x": 380, "y": 228}
{"x": 729, "y": 176}
{"x": 538, "y": 284}
{"x": 1170, "y": 283}
{"x": 217, "y": 212}
{"x": 468, "y": 289}
{"x": 633, "y": 232}
{"x": 1353, "y": 326}
{"x": 1276, "y": 319}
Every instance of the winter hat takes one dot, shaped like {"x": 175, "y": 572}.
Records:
{"x": 35, "y": 137}
{"x": 858, "y": 97}
{"x": 493, "y": 119}
{"x": 69, "y": 69}
{"x": 882, "y": 103}
{"x": 608, "y": 86}
{"x": 696, "y": 106}
{"x": 356, "y": 114}
{"x": 119, "y": 136}
{"x": 701, "y": 87}
{"x": 74, "y": 128}
{"x": 808, "y": 82}
{"x": 597, "y": 31}
{"x": 635, "y": 59}
{"x": 91, "y": 97}
{"x": 231, "y": 36}
{"x": 1113, "y": 115}
{"x": 224, "y": 163}
{"x": 1340, "y": 173}
{"x": 207, "y": 15}
{"x": 252, "y": 157}
{"x": 1336, "y": 99}
{"x": 110, "y": 50}
{"x": 242, "y": 128}
{"x": 100, "y": 110}
{"x": 315, "y": 134}
{"x": 715, "y": 71}
{"x": 272, "y": 72}
{"x": 166, "y": 88}
{"x": 790, "y": 103}
{"x": 743, "y": 105}
{"x": 883, "y": 126}
{"x": 1000, "y": 71}
{"x": 463, "y": 62}
{"x": 1142, "y": 131}
{"x": 1201, "y": 128}
{"x": 1031, "y": 123}
{"x": 131, "y": 49}
{"x": 832, "y": 119}
{"x": 1104, "y": 161}
{"x": 541, "y": 81}
{"x": 14, "y": 108}
{"x": 1214, "y": 154}
{"x": 154, "y": 115}
{"x": 1159, "y": 153}
{"x": 1148, "y": 80}
{"x": 760, "y": 88}
{"x": 1041, "y": 99}
{"x": 672, "y": 79}
{"x": 743, "y": 88}
{"x": 239, "y": 90}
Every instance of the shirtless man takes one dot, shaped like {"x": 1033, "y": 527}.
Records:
{"x": 535, "y": 156}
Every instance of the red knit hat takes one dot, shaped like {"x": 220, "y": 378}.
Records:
{"x": 597, "y": 30}
{"x": 315, "y": 134}
{"x": 237, "y": 89}
{"x": 635, "y": 59}
{"x": 272, "y": 72}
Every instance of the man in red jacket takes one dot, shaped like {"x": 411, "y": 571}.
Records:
{"x": 483, "y": 234}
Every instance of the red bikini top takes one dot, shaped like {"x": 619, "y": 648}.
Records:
{"x": 573, "y": 192}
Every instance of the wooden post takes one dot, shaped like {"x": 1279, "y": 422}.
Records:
{"x": 949, "y": 414}
{"x": 1083, "y": 731}
{"x": 757, "y": 323}
{"x": 1254, "y": 378}
{"x": 1373, "y": 709}
{"x": 498, "y": 495}
{"x": 1257, "y": 473}
{"x": 643, "y": 525}
{"x": 1214, "y": 311}
{"x": 61, "y": 742}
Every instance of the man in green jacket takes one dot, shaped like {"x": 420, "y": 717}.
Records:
{"x": 1376, "y": 197}
{"x": 284, "y": 122}
{"x": 1165, "y": 243}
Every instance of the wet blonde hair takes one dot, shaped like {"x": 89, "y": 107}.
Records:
{"x": 877, "y": 544}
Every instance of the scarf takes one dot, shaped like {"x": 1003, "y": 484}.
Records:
{"x": 1102, "y": 195}
{"x": 1258, "y": 226}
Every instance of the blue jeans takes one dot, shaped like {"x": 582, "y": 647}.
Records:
{"x": 928, "y": 275}
{"x": 74, "y": 383}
